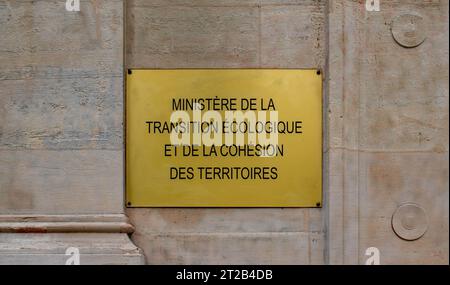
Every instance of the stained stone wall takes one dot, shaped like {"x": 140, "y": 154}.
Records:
{"x": 61, "y": 133}
{"x": 388, "y": 132}
{"x": 385, "y": 129}
{"x": 61, "y": 82}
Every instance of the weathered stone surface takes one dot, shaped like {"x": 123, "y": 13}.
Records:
{"x": 220, "y": 3}
{"x": 385, "y": 132}
{"x": 220, "y": 34}
{"x": 51, "y": 37}
{"x": 388, "y": 117}
{"x": 94, "y": 248}
{"x": 404, "y": 98}
{"x": 404, "y": 128}
{"x": 61, "y": 182}
{"x": 60, "y": 114}
{"x": 61, "y": 79}
{"x": 204, "y": 220}
{"x": 392, "y": 179}
{"x": 191, "y": 36}
{"x": 61, "y": 133}
{"x": 229, "y": 236}
{"x": 231, "y": 248}
{"x": 293, "y": 35}
{"x": 61, "y": 100}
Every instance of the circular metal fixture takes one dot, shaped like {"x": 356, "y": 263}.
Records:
{"x": 408, "y": 30}
{"x": 409, "y": 221}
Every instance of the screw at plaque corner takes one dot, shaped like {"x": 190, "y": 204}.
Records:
{"x": 129, "y": 203}
{"x": 318, "y": 72}
{"x": 318, "y": 204}
{"x": 130, "y": 71}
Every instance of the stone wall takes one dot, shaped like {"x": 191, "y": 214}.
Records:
{"x": 388, "y": 119}
{"x": 385, "y": 129}
{"x": 61, "y": 132}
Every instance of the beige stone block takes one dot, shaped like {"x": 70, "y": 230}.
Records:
{"x": 64, "y": 113}
{"x": 50, "y": 249}
{"x": 191, "y": 36}
{"x": 193, "y": 3}
{"x": 382, "y": 96}
{"x": 41, "y": 38}
{"x": 222, "y": 220}
{"x": 392, "y": 179}
{"x": 61, "y": 182}
{"x": 335, "y": 207}
{"x": 217, "y": 3}
{"x": 61, "y": 81}
{"x": 317, "y": 249}
{"x": 293, "y": 36}
{"x": 227, "y": 236}
{"x": 404, "y": 91}
{"x": 231, "y": 248}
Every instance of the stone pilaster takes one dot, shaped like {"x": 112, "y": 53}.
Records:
{"x": 61, "y": 133}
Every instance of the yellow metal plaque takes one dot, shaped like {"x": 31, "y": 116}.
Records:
{"x": 224, "y": 138}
